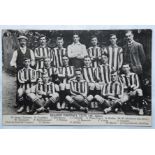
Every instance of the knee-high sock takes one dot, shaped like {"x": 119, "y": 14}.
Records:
{"x": 140, "y": 101}
{"x": 62, "y": 94}
{"x": 21, "y": 101}
{"x": 38, "y": 103}
{"x": 76, "y": 105}
{"x": 116, "y": 105}
{"x": 47, "y": 103}
{"x": 92, "y": 92}
{"x": 67, "y": 92}
{"x": 97, "y": 92}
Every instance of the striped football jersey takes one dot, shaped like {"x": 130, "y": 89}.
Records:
{"x": 50, "y": 71}
{"x": 27, "y": 77}
{"x": 130, "y": 80}
{"x": 58, "y": 55}
{"x": 79, "y": 86}
{"x": 88, "y": 74}
{"x": 46, "y": 87}
{"x": 103, "y": 73}
{"x": 115, "y": 57}
{"x": 42, "y": 52}
{"x": 66, "y": 73}
{"x": 112, "y": 88}
{"x": 95, "y": 52}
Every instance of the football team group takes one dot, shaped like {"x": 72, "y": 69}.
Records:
{"x": 76, "y": 78}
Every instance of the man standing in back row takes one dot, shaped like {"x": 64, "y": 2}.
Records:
{"x": 95, "y": 52}
{"x": 21, "y": 53}
{"x": 59, "y": 52}
{"x": 115, "y": 53}
{"x": 134, "y": 54}
{"x": 76, "y": 52}
{"x": 42, "y": 52}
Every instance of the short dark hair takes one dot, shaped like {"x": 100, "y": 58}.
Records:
{"x": 42, "y": 36}
{"x": 105, "y": 54}
{"x": 45, "y": 73}
{"x": 87, "y": 56}
{"x": 26, "y": 58}
{"x": 114, "y": 72}
{"x": 65, "y": 56}
{"x": 93, "y": 36}
{"x": 46, "y": 58}
{"x": 127, "y": 31}
{"x": 112, "y": 35}
{"x": 78, "y": 69}
{"x": 126, "y": 64}
{"x": 76, "y": 33}
{"x": 59, "y": 38}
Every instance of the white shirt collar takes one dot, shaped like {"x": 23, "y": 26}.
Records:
{"x": 77, "y": 43}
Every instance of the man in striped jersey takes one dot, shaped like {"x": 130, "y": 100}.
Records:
{"x": 88, "y": 73}
{"x": 79, "y": 93}
{"x": 65, "y": 74}
{"x": 115, "y": 54}
{"x": 94, "y": 52}
{"x": 41, "y": 52}
{"x": 51, "y": 71}
{"x": 27, "y": 78}
{"x": 111, "y": 94}
{"x": 132, "y": 88}
{"x": 43, "y": 95}
{"x": 103, "y": 71}
{"x": 59, "y": 52}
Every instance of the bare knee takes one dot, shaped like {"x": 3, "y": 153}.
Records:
{"x": 91, "y": 86}
{"x": 69, "y": 99}
{"x": 90, "y": 98}
{"x": 68, "y": 86}
{"x": 98, "y": 86}
{"x": 31, "y": 96}
{"x": 97, "y": 96}
{"x": 139, "y": 92}
{"x": 20, "y": 92}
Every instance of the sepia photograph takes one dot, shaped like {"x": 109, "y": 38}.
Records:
{"x": 76, "y": 77}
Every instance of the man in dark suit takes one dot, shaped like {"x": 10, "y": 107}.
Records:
{"x": 134, "y": 54}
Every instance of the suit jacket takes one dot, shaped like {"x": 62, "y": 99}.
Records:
{"x": 135, "y": 56}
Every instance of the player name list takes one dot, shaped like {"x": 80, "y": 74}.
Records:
{"x": 76, "y": 119}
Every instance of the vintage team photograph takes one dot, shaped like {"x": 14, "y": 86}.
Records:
{"x": 76, "y": 77}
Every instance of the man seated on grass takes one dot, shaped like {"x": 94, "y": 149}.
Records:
{"x": 79, "y": 93}
{"x": 88, "y": 73}
{"x": 132, "y": 89}
{"x": 43, "y": 95}
{"x": 95, "y": 52}
{"x": 65, "y": 74}
{"x": 111, "y": 95}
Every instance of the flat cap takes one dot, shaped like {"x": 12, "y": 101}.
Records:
{"x": 22, "y": 37}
